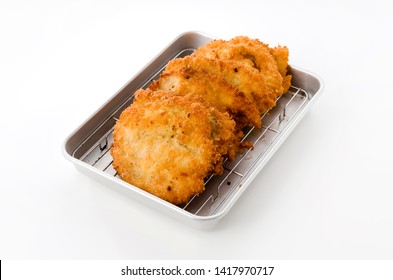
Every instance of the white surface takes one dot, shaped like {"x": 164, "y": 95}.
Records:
{"x": 326, "y": 194}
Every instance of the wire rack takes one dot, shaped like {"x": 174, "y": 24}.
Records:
{"x": 218, "y": 188}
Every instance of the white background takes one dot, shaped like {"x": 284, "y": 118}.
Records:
{"x": 326, "y": 194}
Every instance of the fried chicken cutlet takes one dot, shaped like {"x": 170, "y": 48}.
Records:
{"x": 212, "y": 88}
{"x": 279, "y": 53}
{"x": 271, "y": 63}
{"x": 179, "y": 131}
{"x": 226, "y": 137}
{"x": 240, "y": 75}
{"x": 167, "y": 148}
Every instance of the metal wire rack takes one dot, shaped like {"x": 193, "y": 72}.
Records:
{"x": 218, "y": 188}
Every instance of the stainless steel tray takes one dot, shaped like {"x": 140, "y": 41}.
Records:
{"x": 88, "y": 146}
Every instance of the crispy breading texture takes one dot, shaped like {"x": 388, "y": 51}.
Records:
{"x": 226, "y": 137}
{"x": 166, "y": 148}
{"x": 255, "y": 54}
{"x": 179, "y": 130}
{"x": 281, "y": 55}
{"x": 213, "y": 89}
{"x": 239, "y": 75}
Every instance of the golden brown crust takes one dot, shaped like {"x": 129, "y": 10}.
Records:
{"x": 178, "y": 131}
{"x": 224, "y": 133}
{"x": 281, "y": 55}
{"x": 250, "y": 81}
{"x": 253, "y": 53}
{"x": 166, "y": 148}
{"x": 213, "y": 89}
{"x": 241, "y": 76}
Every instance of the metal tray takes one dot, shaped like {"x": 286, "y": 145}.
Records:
{"x": 88, "y": 146}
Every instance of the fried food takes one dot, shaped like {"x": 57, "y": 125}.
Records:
{"x": 213, "y": 88}
{"x": 180, "y": 130}
{"x": 281, "y": 55}
{"x": 167, "y": 148}
{"x": 255, "y": 54}
{"x": 244, "y": 78}
{"x": 225, "y": 135}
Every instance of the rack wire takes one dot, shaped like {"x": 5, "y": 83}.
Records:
{"x": 219, "y": 188}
